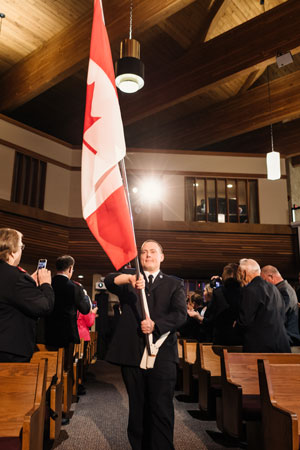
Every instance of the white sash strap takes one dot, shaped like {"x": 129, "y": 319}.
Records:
{"x": 148, "y": 361}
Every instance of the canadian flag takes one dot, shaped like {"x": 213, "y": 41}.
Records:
{"x": 104, "y": 202}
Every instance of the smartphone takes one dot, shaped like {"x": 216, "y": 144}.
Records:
{"x": 42, "y": 264}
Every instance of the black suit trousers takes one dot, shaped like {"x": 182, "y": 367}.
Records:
{"x": 151, "y": 409}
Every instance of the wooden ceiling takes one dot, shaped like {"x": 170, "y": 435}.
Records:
{"x": 206, "y": 83}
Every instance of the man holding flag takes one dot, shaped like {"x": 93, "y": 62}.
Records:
{"x": 150, "y": 391}
{"x": 106, "y": 211}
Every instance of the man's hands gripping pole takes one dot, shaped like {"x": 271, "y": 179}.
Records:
{"x": 147, "y": 325}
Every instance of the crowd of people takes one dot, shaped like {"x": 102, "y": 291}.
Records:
{"x": 246, "y": 306}
{"x": 37, "y": 308}
{"x": 252, "y": 307}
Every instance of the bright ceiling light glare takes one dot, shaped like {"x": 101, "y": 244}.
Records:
{"x": 80, "y": 276}
{"x": 151, "y": 191}
{"x": 229, "y": 186}
{"x": 135, "y": 190}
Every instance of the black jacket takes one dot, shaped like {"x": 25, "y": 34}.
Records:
{"x": 291, "y": 311}
{"x": 261, "y": 318}
{"x": 21, "y": 303}
{"x": 167, "y": 307}
{"x": 222, "y": 312}
{"x": 61, "y": 326}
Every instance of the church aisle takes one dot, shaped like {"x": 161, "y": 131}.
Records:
{"x": 99, "y": 420}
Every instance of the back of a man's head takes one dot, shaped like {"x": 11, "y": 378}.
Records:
{"x": 251, "y": 268}
{"x": 271, "y": 274}
{"x": 64, "y": 262}
{"x": 9, "y": 242}
{"x": 230, "y": 271}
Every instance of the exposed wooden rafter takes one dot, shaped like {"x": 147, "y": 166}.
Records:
{"x": 219, "y": 59}
{"x": 68, "y": 51}
{"x": 238, "y": 115}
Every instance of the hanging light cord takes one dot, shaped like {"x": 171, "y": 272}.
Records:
{"x": 130, "y": 19}
{"x": 270, "y": 109}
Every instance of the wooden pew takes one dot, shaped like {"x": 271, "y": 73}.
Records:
{"x": 67, "y": 374}
{"x": 93, "y": 344}
{"x": 189, "y": 370}
{"x": 75, "y": 371}
{"x": 209, "y": 375}
{"x": 179, "y": 381}
{"x": 280, "y": 405}
{"x": 54, "y": 386}
{"x": 81, "y": 361}
{"x": 240, "y": 390}
{"x": 22, "y": 403}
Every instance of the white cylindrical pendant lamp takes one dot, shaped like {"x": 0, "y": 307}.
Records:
{"x": 273, "y": 166}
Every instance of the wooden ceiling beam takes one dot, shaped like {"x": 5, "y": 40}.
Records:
{"x": 68, "y": 51}
{"x": 241, "y": 114}
{"x": 218, "y": 60}
{"x": 216, "y": 11}
{"x": 252, "y": 77}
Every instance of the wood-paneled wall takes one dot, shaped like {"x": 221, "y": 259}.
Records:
{"x": 192, "y": 251}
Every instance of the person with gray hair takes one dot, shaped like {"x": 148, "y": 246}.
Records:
{"x": 272, "y": 275}
{"x": 262, "y": 312}
{"x": 23, "y": 299}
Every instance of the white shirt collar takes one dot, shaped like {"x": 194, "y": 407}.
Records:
{"x": 151, "y": 273}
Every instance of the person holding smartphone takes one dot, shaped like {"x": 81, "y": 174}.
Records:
{"x": 23, "y": 299}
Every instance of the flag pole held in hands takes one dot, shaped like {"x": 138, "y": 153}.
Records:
{"x": 141, "y": 292}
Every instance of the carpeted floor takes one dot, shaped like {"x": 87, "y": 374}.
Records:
{"x": 99, "y": 419}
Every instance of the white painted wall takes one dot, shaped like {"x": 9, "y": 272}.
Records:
{"x": 63, "y": 186}
{"x": 7, "y": 158}
{"x": 57, "y": 190}
{"x": 197, "y": 163}
{"x": 273, "y": 202}
{"x": 34, "y": 142}
{"x": 173, "y": 207}
{"x": 75, "y": 209}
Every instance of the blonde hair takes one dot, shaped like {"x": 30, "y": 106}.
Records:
{"x": 9, "y": 242}
{"x": 155, "y": 242}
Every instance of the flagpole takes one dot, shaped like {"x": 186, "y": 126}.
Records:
{"x": 141, "y": 292}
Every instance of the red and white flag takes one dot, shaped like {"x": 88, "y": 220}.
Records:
{"x": 104, "y": 202}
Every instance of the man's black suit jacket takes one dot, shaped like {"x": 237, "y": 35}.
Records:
{"x": 61, "y": 326}
{"x": 167, "y": 307}
{"x": 261, "y": 318}
{"x": 21, "y": 303}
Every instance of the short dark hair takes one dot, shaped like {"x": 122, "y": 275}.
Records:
{"x": 64, "y": 262}
{"x": 230, "y": 271}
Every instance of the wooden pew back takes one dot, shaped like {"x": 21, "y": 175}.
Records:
{"x": 210, "y": 374}
{"x": 210, "y": 357}
{"x": 55, "y": 364}
{"x": 190, "y": 351}
{"x": 55, "y": 368}
{"x": 22, "y": 405}
{"x": 280, "y": 397}
{"x": 241, "y": 368}
{"x": 284, "y": 385}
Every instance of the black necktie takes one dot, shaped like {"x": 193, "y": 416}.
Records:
{"x": 150, "y": 280}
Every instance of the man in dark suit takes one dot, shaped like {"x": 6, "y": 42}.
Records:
{"x": 272, "y": 275}
{"x": 61, "y": 326}
{"x": 150, "y": 391}
{"x": 23, "y": 298}
{"x": 262, "y": 313}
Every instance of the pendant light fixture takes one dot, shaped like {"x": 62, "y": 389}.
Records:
{"x": 273, "y": 158}
{"x": 129, "y": 68}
